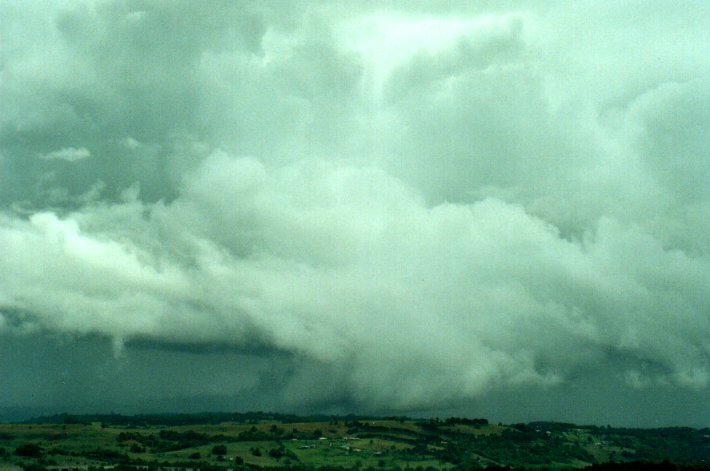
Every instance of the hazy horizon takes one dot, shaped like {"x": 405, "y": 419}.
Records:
{"x": 485, "y": 209}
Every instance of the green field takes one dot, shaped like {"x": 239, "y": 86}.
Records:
{"x": 259, "y": 440}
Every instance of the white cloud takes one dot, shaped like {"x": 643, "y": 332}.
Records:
{"x": 69, "y": 154}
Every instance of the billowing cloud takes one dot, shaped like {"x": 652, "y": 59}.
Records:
{"x": 350, "y": 208}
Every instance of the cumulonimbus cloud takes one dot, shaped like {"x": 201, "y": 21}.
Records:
{"x": 348, "y": 267}
{"x": 489, "y": 198}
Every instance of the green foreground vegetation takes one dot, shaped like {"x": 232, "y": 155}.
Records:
{"x": 220, "y": 442}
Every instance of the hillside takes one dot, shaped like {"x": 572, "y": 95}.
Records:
{"x": 263, "y": 440}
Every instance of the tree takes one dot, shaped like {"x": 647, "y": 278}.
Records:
{"x": 220, "y": 450}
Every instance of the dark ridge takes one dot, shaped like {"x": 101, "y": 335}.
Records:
{"x": 175, "y": 419}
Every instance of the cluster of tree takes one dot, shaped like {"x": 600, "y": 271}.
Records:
{"x": 368, "y": 429}
{"x": 29, "y": 450}
{"x": 282, "y": 452}
{"x": 219, "y": 450}
{"x": 517, "y": 446}
{"x": 679, "y": 445}
{"x": 465, "y": 421}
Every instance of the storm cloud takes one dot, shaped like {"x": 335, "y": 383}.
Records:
{"x": 357, "y": 207}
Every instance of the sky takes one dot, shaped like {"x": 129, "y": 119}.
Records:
{"x": 428, "y": 208}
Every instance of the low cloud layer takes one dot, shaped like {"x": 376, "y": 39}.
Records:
{"x": 360, "y": 209}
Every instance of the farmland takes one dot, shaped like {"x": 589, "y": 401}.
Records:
{"x": 264, "y": 440}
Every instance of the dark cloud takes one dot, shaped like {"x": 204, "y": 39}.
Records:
{"x": 356, "y": 207}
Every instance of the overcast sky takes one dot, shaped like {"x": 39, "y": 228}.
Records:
{"x": 493, "y": 209}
